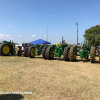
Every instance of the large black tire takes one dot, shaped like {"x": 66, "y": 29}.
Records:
{"x": 48, "y": 55}
{"x": 92, "y": 54}
{"x": 26, "y": 53}
{"x": 44, "y": 52}
{"x": 18, "y": 53}
{"x": 99, "y": 55}
{"x": 4, "y": 49}
{"x": 66, "y": 53}
{"x": 31, "y": 53}
{"x": 72, "y": 53}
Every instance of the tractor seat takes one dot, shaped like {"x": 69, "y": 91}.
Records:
{"x": 81, "y": 49}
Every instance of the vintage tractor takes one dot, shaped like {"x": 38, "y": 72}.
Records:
{"x": 36, "y": 50}
{"x": 58, "y": 50}
{"x": 6, "y": 48}
{"x": 23, "y": 51}
{"x": 84, "y": 52}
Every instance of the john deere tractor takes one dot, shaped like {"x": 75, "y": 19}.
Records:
{"x": 6, "y": 48}
{"x": 84, "y": 52}
{"x": 36, "y": 50}
{"x": 58, "y": 50}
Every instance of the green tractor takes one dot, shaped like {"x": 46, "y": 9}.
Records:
{"x": 84, "y": 52}
{"x": 6, "y": 48}
{"x": 58, "y": 50}
{"x": 70, "y": 52}
{"x": 36, "y": 50}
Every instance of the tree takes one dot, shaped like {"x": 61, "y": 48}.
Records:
{"x": 92, "y": 35}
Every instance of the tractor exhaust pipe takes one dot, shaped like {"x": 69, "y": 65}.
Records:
{"x": 62, "y": 39}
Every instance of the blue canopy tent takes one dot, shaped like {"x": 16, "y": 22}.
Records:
{"x": 39, "y": 41}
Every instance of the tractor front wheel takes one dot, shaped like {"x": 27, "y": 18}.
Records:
{"x": 49, "y": 53}
{"x": 66, "y": 53}
{"x": 44, "y": 52}
{"x": 72, "y": 53}
{"x": 26, "y": 53}
{"x": 18, "y": 53}
{"x": 92, "y": 54}
{"x": 31, "y": 52}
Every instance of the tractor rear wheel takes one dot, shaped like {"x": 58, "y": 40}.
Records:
{"x": 49, "y": 53}
{"x": 18, "y": 53}
{"x": 92, "y": 54}
{"x": 4, "y": 49}
{"x": 66, "y": 53}
{"x": 26, "y": 53}
{"x": 44, "y": 52}
{"x": 72, "y": 53}
{"x": 31, "y": 52}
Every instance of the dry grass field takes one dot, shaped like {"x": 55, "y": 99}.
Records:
{"x": 49, "y": 79}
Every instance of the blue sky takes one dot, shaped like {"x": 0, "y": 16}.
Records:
{"x": 27, "y": 20}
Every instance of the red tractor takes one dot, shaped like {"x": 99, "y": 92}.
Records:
{"x": 23, "y": 51}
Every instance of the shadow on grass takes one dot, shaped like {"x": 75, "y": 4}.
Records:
{"x": 50, "y": 59}
{"x": 44, "y": 59}
{"x": 86, "y": 61}
{"x": 12, "y": 55}
{"x": 80, "y": 61}
{"x": 9, "y": 56}
{"x": 11, "y": 97}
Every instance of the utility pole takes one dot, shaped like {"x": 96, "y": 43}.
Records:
{"x": 50, "y": 39}
{"x": 77, "y": 32}
{"x": 47, "y": 33}
{"x": 62, "y": 39}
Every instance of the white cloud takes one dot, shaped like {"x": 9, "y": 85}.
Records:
{"x": 8, "y": 25}
{"x": 1, "y": 34}
{"x": 7, "y": 35}
{"x": 33, "y": 35}
{"x": 19, "y": 35}
{"x": 12, "y": 38}
{"x": 57, "y": 35}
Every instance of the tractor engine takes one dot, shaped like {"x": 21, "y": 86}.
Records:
{"x": 85, "y": 51}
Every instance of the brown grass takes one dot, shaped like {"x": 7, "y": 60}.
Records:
{"x": 50, "y": 79}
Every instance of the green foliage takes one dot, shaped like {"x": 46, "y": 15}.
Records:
{"x": 92, "y": 35}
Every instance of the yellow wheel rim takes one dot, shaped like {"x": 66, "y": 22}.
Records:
{"x": 69, "y": 54}
{"x": 32, "y": 52}
{"x": 51, "y": 53}
{"x": 45, "y": 53}
{"x": 74, "y": 54}
{"x": 94, "y": 54}
{"x": 6, "y": 49}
